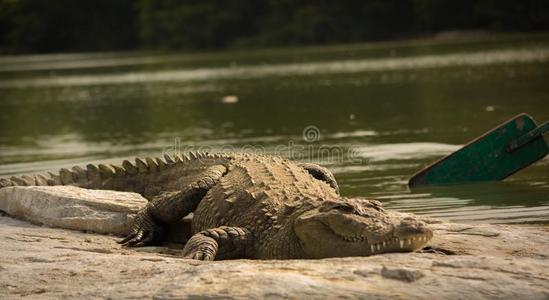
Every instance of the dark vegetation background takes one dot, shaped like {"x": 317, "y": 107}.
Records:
{"x": 41, "y": 26}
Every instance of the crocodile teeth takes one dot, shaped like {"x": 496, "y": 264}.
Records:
{"x": 372, "y": 248}
{"x": 378, "y": 247}
{"x": 401, "y": 244}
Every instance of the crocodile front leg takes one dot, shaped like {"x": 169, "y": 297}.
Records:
{"x": 218, "y": 243}
{"x": 148, "y": 225}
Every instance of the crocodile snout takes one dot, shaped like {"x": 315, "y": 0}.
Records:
{"x": 411, "y": 228}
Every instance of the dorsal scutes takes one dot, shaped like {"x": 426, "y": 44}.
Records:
{"x": 141, "y": 166}
{"x": 28, "y": 180}
{"x": 66, "y": 176}
{"x": 93, "y": 173}
{"x": 130, "y": 168}
{"x": 105, "y": 171}
{"x": 193, "y": 155}
{"x": 79, "y": 174}
{"x": 54, "y": 179}
{"x": 161, "y": 164}
{"x": 41, "y": 180}
{"x": 105, "y": 175}
{"x": 118, "y": 171}
{"x": 152, "y": 165}
{"x": 169, "y": 159}
{"x": 17, "y": 181}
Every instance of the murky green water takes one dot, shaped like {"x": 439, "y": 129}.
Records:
{"x": 374, "y": 114}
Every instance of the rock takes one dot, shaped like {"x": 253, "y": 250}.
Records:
{"x": 461, "y": 261}
{"x": 100, "y": 211}
{"x": 402, "y": 274}
{"x": 482, "y": 239}
{"x": 48, "y": 263}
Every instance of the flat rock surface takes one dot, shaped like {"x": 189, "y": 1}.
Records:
{"x": 496, "y": 240}
{"x": 72, "y": 208}
{"x": 45, "y": 263}
{"x": 462, "y": 261}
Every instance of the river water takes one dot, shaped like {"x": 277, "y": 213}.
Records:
{"x": 374, "y": 114}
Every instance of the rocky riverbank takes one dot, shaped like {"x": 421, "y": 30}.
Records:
{"x": 462, "y": 261}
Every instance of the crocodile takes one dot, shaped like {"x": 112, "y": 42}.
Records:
{"x": 247, "y": 206}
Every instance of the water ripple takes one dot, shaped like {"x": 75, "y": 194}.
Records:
{"x": 481, "y": 58}
{"x": 403, "y": 151}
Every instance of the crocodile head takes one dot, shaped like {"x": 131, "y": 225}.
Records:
{"x": 357, "y": 227}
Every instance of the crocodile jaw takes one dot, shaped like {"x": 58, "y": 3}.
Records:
{"x": 337, "y": 234}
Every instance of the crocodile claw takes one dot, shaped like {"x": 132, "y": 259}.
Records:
{"x": 145, "y": 231}
{"x": 200, "y": 255}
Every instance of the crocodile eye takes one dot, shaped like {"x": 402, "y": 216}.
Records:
{"x": 344, "y": 208}
{"x": 376, "y": 205}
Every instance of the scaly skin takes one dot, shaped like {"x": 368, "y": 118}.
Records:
{"x": 251, "y": 206}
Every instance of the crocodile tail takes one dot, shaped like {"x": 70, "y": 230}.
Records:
{"x": 36, "y": 180}
{"x": 99, "y": 176}
{"x": 25, "y": 180}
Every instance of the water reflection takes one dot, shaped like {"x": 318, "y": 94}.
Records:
{"x": 484, "y": 58}
{"x": 499, "y": 202}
